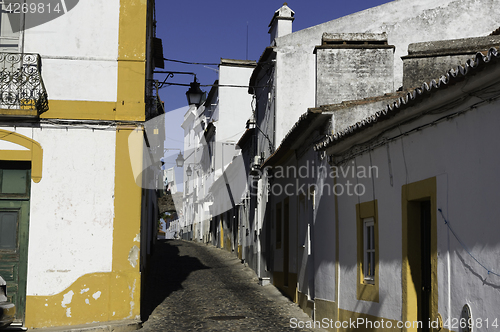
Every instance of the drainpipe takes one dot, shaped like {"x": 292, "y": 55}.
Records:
{"x": 258, "y": 227}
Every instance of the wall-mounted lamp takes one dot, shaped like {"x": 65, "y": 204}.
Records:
{"x": 189, "y": 171}
{"x": 179, "y": 161}
{"x": 194, "y": 94}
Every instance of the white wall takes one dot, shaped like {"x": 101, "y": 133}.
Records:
{"x": 404, "y": 21}
{"x": 234, "y": 102}
{"x": 71, "y": 208}
{"x": 463, "y": 157}
{"x": 79, "y": 51}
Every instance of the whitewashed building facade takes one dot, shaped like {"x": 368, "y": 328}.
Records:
{"x": 74, "y": 219}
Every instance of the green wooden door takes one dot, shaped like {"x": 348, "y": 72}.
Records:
{"x": 14, "y": 224}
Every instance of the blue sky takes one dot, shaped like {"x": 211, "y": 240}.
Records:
{"x": 206, "y": 31}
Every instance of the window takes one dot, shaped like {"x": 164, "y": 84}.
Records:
{"x": 369, "y": 250}
{"x": 367, "y": 285}
{"x": 10, "y": 26}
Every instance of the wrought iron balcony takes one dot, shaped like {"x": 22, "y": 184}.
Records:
{"x": 22, "y": 92}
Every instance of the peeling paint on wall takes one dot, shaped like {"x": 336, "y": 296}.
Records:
{"x": 137, "y": 238}
{"x": 85, "y": 290}
{"x": 67, "y": 299}
{"x": 132, "y": 303}
{"x": 133, "y": 256}
{"x": 96, "y": 295}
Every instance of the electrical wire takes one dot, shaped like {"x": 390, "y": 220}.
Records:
{"x": 192, "y": 63}
{"x": 464, "y": 246}
{"x": 208, "y": 63}
{"x": 217, "y": 85}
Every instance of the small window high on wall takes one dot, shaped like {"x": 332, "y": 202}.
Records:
{"x": 369, "y": 250}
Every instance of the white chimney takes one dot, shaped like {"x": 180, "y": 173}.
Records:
{"x": 281, "y": 24}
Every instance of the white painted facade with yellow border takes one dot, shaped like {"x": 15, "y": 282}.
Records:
{"x": 317, "y": 241}
{"x": 86, "y": 210}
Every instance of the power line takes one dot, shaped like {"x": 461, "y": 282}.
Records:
{"x": 219, "y": 85}
{"x": 192, "y": 63}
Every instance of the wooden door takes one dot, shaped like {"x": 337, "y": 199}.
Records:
{"x": 14, "y": 224}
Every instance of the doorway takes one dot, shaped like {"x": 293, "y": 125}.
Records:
{"x": 419, "y": 254}
{"x": 15, "y": 180}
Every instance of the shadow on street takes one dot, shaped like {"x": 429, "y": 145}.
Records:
{"x": 167, "y": 271}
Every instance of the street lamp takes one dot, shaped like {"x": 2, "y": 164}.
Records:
{"x": 189, "y": 171}
{"x": 179, "y": 160}
{"x": 194, "y": 94}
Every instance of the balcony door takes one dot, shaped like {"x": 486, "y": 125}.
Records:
{"x": 15, "y": 182}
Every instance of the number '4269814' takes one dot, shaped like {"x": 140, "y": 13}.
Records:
{"x": 32, "y": 8}
{"x": 466, "y": 324}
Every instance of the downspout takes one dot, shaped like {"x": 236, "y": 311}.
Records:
{"x": 337, "y": 255}
{"x": 258, "y": 227}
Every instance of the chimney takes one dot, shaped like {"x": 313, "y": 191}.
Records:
{"x": 281, "y": 24}
{"x": 351, "y": 66}
{"x": 428, "y": 61}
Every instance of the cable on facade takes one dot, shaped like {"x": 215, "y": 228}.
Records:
{"x": 97, "y": 125}
{"x": 464, "y": 246}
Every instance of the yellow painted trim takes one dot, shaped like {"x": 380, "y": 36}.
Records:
{"x": 128, "y": 197}
{"x": 89, "y": 299}
{"x": 325, "y": 314}
{"x": 418, "y": 191}
{"x": 305, "y": 304}
{"x": 19, "y": 112}
{"x": 80, "y": 110}
{"x": 131, "y": 90}
{"x": 130, "y": 105}
{"x": 366, "y": 291}
{"x": 279, "y": 282}
{"x": 132, "y": 32}
{"x": 221, "y": 234}
{"x": 35, "y": 153}
{"x": 96, "y": 110}
{"x": 127, "y": 225}
{"x": 132, "y": 59}
{"x": 21, "y": 155}
{"x": 326, "y": 309}
{"x": 227, "y": 240}
{"x": 117, "y": 292}
{"x": 349, "y": 316}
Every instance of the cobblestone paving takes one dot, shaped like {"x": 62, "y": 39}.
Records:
{"x": 197, "y": 287}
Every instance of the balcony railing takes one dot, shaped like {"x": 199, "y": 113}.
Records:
{"x": 22, "y": 92}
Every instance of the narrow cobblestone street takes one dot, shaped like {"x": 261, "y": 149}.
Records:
{"x": 197, "y": 287}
